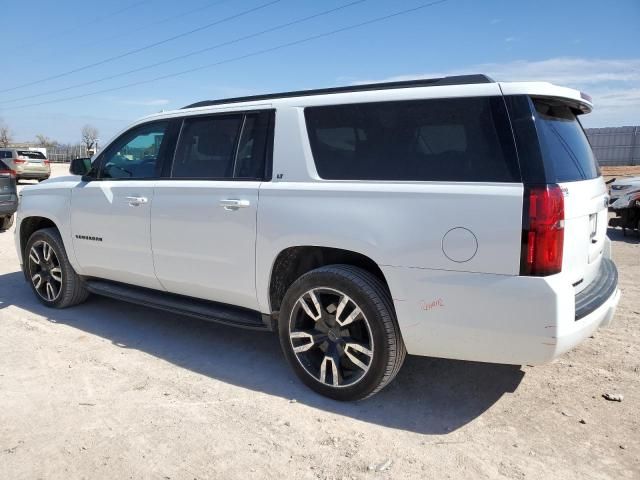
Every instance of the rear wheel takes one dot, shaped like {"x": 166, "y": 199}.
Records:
{"x": 339, "y": 333}
{"x": 47, "y": 267}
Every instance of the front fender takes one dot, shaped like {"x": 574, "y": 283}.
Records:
{"x": 52, "y": 202}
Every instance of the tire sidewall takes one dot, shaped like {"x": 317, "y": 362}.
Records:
{"x": 333, "y": 280}
{"x": 60, "y": 253}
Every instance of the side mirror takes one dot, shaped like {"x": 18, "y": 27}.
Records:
{"x": 80, "y": 166}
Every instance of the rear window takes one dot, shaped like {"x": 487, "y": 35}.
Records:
{"x": 564, "y": 145}
{"x": 456, "y": 139}
{"x": 31, "y": 154}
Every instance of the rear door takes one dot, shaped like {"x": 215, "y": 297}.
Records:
{"x": 203, "y": 219}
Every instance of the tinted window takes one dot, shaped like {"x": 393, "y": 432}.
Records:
{"x": 31, "y": 154}
{"x": 465, "y": 139}
{"x": 564, "y": 144}
{"x": 250, "y": 161}
{"x": 135, "y": 154}
{"x": 206, "y": 148}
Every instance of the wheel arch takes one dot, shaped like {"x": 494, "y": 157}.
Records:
{"x": 31, "y": 224}
{"x": 293, "y": 262}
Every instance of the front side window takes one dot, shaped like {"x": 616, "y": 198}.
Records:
{"x": 453, "y": 139}
{"x": 135, "y": 154}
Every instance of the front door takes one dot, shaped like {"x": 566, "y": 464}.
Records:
{"x": 203, "y": 219}
{"x": 110, "y": 215}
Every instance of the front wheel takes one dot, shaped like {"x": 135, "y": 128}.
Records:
{"x": 339, "y": 333}
{"x": 51, "y": 276}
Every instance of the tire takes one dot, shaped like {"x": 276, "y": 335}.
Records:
{"x": 6, "y": 223}
{"x": 346, "y": 344}
{"x": 52, "y": 278}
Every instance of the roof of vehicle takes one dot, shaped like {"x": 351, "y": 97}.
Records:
{"x": 452, "y": 86}
{"x": 421, "y": 82}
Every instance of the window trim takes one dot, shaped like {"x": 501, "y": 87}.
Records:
{"x": 268, "y": 154}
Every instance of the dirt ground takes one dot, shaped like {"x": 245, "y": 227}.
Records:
{"x": 110, "y": 390}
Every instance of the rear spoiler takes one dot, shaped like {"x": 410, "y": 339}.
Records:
{"x": 580, "y": 101}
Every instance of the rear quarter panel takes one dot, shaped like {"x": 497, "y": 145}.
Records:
{"x": 399, "y": 224}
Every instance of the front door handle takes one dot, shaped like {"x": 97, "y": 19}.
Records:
{"x": 234, "y": 204}
{"x": 137, "y": 201}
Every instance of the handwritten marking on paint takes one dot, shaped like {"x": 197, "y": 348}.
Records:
{"x": 427, "y": 306}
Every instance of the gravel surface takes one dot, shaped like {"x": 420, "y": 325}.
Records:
{"x": 112, "y": 390}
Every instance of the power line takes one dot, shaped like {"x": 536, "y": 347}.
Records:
{"x": 189, "y": 54}
{"x": 241, "y": 57}
{"x": 94, "y": 20}
{"x": 161, "y": 21}
{"x": 146, "y": 47}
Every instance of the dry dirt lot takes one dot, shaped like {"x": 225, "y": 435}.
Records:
{"x": 111, "y": 390}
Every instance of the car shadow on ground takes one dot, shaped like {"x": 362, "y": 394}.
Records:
{"x": 430, "y": 396}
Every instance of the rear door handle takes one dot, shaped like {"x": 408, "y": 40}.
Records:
{"x": 137, "y": 201}
{"x": 234, "y": 204}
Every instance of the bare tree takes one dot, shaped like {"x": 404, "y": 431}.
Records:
{"x": 44, "y": 141}
{"x": 5, "y": 135}
{"x": 89, "y": 136}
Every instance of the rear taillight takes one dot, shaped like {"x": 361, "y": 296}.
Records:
{"x": 11, "y": 173}
{"x": 542, "y": 230}
{"x": 47, "y": 162}
{"x": 19, "y": 160}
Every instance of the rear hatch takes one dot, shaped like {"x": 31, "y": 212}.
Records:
{"x": 32, "y": 160}
{"x": 570, "y": 163}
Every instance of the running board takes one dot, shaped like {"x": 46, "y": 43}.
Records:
{"x": 182, "y": 305}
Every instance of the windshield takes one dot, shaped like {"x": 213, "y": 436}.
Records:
{"x": 564, "y": 143}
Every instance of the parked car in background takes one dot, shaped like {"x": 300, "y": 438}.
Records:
{"x": 452, "y": 217}
{"x": 8, "y": 196}
{"x": 27, "y": 164}
{"x": 625, "y": 203}
{"x": 623, "y": 187}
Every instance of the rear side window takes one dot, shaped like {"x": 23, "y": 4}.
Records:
{"x": 458, "y": 139}
{"x": 222, "y": 147}
{"x": 31, "y": 154}
{"x": 564, "y": 145}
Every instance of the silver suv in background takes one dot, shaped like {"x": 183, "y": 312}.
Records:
{"x": 27, "y": 164}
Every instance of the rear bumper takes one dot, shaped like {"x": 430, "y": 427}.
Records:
{"x": 497, "y": 318}
{"x": 32, "y": 175}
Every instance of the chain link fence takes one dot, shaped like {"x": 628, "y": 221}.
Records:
{"x": 64, "y": 154}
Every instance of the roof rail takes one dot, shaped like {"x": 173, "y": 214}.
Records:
{"x": 421, "y": 82}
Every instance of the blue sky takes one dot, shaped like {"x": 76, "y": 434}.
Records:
{"x": 591, "y": 45}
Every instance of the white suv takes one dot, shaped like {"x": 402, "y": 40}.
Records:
{"x": 454, "y": 217}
